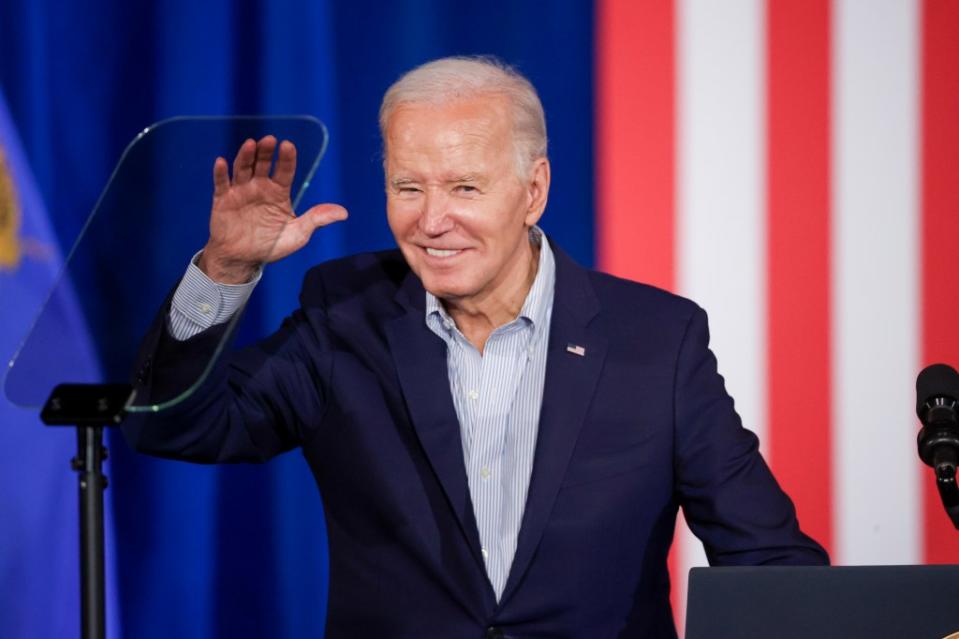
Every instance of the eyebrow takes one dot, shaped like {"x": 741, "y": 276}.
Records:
{"x": 467, "y": 178}
{"x": 456, "y": 179}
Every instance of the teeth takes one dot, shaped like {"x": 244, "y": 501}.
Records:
{"x": 441, "y": 252}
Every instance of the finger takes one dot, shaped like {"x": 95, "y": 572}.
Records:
{"x": 299, "y": 230}
{"x": 323, "y": 214}
{"x": 264, "y": 156}
{"x": 243, "y": 162}
{"x": 221, "y": 177}
{"x": 285, "y": 165}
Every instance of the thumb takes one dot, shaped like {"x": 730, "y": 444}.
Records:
{"x": 302, "y": 227}
{"x": 324, "y": 214}
{"x": 298, "y": 231}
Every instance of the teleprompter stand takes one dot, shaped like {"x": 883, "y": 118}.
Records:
{"x": 91, "y": 326}
{"x": 89, "y": 408}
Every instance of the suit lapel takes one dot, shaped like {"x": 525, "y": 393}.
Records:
{"x": 570, "y": 384}
{"x": 420, "y": 359}
{"x": 571, "y": 378}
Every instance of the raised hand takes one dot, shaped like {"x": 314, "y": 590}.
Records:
{"x": 252, "y": 220}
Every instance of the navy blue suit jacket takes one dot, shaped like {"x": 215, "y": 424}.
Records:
{"x": 635, "y": 428}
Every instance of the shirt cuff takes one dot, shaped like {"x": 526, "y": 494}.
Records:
{"x": 200, "y": 303}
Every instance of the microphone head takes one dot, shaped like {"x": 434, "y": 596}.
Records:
{"x": 937, "y": 380}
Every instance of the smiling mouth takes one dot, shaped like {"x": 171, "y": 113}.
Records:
{"x": 442, "y": 252}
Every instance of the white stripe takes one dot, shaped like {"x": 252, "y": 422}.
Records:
{"x": 721, "y": 177}
{"x": 720, "y": 192}
{"x": 875, "y": 275}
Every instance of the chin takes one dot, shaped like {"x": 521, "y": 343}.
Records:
{"x": 446, "y": 288}
{"x": 445, "y": 291}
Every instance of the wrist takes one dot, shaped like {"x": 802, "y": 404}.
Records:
{"x": 226, "y": 271}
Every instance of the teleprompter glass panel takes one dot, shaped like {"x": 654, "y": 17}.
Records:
{"x": 151, "y": 218}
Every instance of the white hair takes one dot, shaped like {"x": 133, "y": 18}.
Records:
{"x": 456, "y": 78}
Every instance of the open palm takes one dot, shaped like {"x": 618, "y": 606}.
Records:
{"x": 252, "y": 221}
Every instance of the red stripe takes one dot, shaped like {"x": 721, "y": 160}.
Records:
{"x": 635, "y": 157}
{"x": 799, "y": 443}
{"x": 634, "y": 139}
{"x": 940, "y": 229}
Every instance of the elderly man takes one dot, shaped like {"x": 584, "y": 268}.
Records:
{"x": 501, "y": 437}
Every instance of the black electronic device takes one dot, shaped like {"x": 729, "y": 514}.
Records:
{"x": 821, "y": 602}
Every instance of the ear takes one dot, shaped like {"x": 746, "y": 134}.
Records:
{"x": 538, "y": 190}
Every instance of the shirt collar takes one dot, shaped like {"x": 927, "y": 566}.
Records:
{"x": 539, "y": 301}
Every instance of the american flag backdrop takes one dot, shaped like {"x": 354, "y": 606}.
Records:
{"x": 793, "y": 166}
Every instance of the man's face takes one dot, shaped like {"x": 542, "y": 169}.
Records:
{"x": 455, "y": 202}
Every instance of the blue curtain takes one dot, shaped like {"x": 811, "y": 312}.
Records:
{"x": 240, "y": 551}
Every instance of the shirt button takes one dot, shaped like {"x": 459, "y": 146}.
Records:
{"x": 485, "y": 553}
{"x": 484, "y": 472}
{"x": 473, "y": 394}
{"x": 204, "y": 308}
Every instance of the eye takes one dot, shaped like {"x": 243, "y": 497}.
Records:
{"x": 466, "y": 188}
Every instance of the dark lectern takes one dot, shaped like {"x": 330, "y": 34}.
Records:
{"x": 873, "y": 602}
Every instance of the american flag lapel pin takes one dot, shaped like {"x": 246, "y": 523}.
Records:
{"x": 576, "y": 349}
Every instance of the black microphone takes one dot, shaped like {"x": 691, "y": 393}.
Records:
{"x": 937, "y": 405}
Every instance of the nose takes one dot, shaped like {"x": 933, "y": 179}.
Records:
{"x": 435, "y": 219}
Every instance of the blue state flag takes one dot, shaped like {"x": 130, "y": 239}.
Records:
{"x": 39, "y": 525}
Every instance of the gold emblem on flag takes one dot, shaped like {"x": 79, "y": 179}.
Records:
{"x": 9, "y": 218}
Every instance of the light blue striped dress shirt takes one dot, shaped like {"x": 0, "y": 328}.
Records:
{"x": 199, "y": 302}
{"x": 497, "y": 395}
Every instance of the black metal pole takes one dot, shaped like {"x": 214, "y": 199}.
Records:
{"x": 89, "y": 407}
{"x": 89, "y": 462}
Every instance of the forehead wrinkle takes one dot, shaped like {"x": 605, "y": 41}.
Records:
{"x": 464, "y": 146}
{"x": 457, "y": 162}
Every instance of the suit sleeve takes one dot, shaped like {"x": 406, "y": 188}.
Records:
{"x": 251, "y": 406}
{"x": 730, "y": 498}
